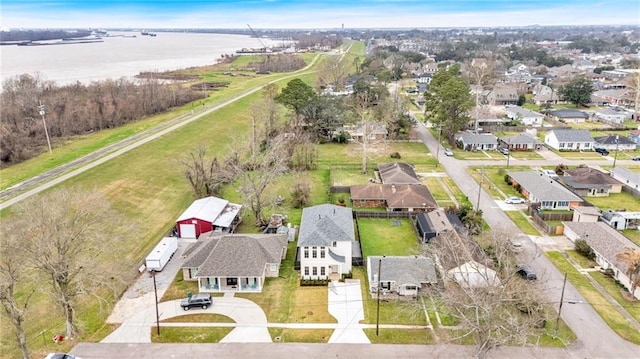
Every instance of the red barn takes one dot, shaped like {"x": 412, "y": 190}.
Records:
{"x": 208, "y": 214}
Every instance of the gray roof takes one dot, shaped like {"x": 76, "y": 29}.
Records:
{"x": 573, "y": 135}
{"x": 627, "y": 174}
{"x": 241, "y": 255}
{"x": 594, "y": 211}
{"x": 569, "y": 113}
{"x": 543, "y": 187}
{"x": 588, "y": 175}
{"x": 603, "y": 239}
{"x": 403, "y": 270}
{"x": 397, "y": 173}
{"x": 471, "y": 138}
{"x": 514, "y": 111}
{"x": 521, "y": 138}
{"x": 321, "y": 225}
{"x": 611, "y": 140}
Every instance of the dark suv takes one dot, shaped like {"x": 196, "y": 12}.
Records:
{"x": 527, "y": 273}
{"x": 602, "y": 151}
{"x": 199, "y": 300}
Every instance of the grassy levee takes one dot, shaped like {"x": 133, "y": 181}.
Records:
{"x": 147, "y": 185}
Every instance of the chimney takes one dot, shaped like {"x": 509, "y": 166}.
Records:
{"x": 393, "y": 188}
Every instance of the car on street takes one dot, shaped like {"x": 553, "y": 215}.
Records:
{"x": 527, "y": 273}
{"x": 60, "y": 356}
{"x": 636, "y": 158}
{"x": 198, "y": 300}
{"x": 504, "y": 151}
{"x": 448, "y": 152}
{"x": 514, "y": 200}
{"x": 602, "y": 151}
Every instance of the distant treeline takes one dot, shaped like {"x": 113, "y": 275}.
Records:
{"x": 38, "y": 35}
{"x": 75, "y": 109}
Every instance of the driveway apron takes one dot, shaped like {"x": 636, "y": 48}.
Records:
{"x": 345, "y": 304}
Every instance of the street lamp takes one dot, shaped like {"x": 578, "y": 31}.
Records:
{"x": 46, "y": 132}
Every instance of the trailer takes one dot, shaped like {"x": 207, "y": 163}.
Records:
{"x": 161, "y": 254}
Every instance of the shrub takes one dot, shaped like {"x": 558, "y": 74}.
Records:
{"x": 583, "y": 248}
{"x": 396, "y": 155}
{"x": 300, "y": 194}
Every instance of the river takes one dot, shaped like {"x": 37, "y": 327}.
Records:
{"x": 120, "y": 55}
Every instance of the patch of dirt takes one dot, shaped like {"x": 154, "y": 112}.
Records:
{"x": 210, "y": 86}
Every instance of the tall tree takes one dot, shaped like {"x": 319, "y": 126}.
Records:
{"x": 13, "y": 272}
{"x": 295, "y": 96}
{"x": 448, "y": 102}
{"x": 63, "y": 235}
{"x": 631, "y": 259}
{"x": 578, "y": 91}
{"x": 205, "y": 176}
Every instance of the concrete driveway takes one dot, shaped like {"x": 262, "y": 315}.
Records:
{"x": 251, "y": 322}
{"x": 345, "y": 304}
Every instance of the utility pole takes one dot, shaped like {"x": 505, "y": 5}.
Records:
{"x": 155, "y": 289}
{"x": 508, "y": 153}
{"x": 555, "y": 332}
{"x": 479, "y": 190}
{"x": 439, "y": 140}
{"x": 615, "y": 155}
{"x": 378, "y": 311}
{"x": 46, "y": 132}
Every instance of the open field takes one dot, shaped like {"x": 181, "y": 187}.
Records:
{"x": 383, "y": 237}
{"x": 609, "y": 314}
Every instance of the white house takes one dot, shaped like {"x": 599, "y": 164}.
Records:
{"x": 569, "y": 140}
{"x": 607, "y": 243}
{"x": 631, "y": 179}
{"x": 472, "y": 274}
{"x": 621, "y": 220}
{"x": 585, "y": 214}
{"x": 528, "y": 118}
{"x": 610, "y": 115}
{"x": 325, "y": 242}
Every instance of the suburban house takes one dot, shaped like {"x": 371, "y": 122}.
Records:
{"x": 543, "y": 94}
{"x": 585, "y": 214}
{"x": 527, "y": 117}
{"x": 635, "y": 136}
{"x": 477, "y": 142}
{"x": 584, "y": 65}
{"x": 404, "y": 276}
{"x": 569, "y": 116}
{"x": 502, "y": 95}
{"x": 373, "y": 131}
{"x": 397, "y": 173}
{"x": 615, "y": 143}
{"x": 432, "y": 224}
{"x": 610, "y": 115}
{"x": 395, "y": 197}
{"x": 521, "y": 142}
{"x": 539, "y": 188}
{"x": 472, "y": 274}
{"x": 234, "y": 262}
{"x": 607, "y": 243}
{"x": 326, "y": 242}
{"x": 208, "y": 214}
{"x": 589, "y": 182}
{"x": 621, "y": 219}
{"x": 569, "y": 140}
{"x": 628, "y": 178}
{"x": 616, "y": 97}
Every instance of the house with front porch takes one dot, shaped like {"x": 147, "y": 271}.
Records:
{"x": 606, "y": 243}
{"x": 614, "y": 143}
{"x": 526, "y": 117}
{"x": 469, "y": 141}
{"x": 521, "y": 142}
{"x": 569, "y": 140}
{"x": 223, "y": 263}
{"x": 569, "y": 116}
{"x": 609, "y": 115}
{"x": 394, "y": 197}
{"x": 539, "y": 188}
{"x": 401, "y": 275}
{"x": 326, "y": 241}
{"x": 589, "y": 182}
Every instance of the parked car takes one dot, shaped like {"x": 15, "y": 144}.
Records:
{"x": 448, "y": 152}
{"x": 636, "y": 158}
{"x": 602, "y": 151}
{"x": 198, "y": 300}
{"x": 514, "y": 200}
{"x": 504, "y": 151}
{"x": 527, "y": 273}
{"x": 550, "y": 173}
{"x": 60, "y": 356}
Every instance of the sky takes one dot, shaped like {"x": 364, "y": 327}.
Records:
{"x": 313, "y": 14}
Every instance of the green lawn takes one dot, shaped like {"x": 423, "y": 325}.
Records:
{"x": 344, "y": 177}
{"x": 616, "y": 201}
{"x": 189, "y": 334}
{"x": 435, "y": 187}
{"x": 457, "y": 192}
{"x": 609, "y": 314}
{"x": 330, "y": 154}
{"x": 583, "y": 261}
{"x": 579, "y": 155}
{"x": 288, "y": 335}
{"x": 400, "y": 336}
{"x": 521, "y": 221}
{"x": 619, "y": 293}
{"x": 381, "y": 237}
{"x": 179, "y": 288}
{"x": 633, "y": 235}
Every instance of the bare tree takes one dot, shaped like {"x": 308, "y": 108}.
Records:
{"x": 634, "y": 84}
{"x": 631, "y": 259}
{"x": 332, "y": 72}
{"x": 64, "y": 234}
{"x": 13, "y": 272}
{"x": 365, "y": 124}
{"x": 492, "y": 304}
{"x": 205, "y": 176}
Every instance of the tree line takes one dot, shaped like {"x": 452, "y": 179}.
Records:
{"x": 76, "y": 109}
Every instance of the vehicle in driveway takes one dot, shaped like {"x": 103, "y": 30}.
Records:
{"x": 602, "y": 151}
{"x": 514, "y": 200}
{"x": 448, "y": 152}
{"x": 637, "y": 158}
{"x": 504, "y": 151}
{"x": 527, "y": 273}
{"x": 198, "y": 300}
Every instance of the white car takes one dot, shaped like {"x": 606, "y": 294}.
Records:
{"x": 448, "y": 152}
{"x": 514, "y": 200}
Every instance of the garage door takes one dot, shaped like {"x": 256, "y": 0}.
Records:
{"x": 188, "y": 231}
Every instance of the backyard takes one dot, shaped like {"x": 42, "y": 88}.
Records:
{"x": 391, "y": 237}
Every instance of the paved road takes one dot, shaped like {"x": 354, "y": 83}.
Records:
{"x": 595, "y": 338}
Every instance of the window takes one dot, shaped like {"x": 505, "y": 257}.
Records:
{"x": 306, "y": 252}
{"x": 411, "y": 287}
{"x": 322, "y": 252}
{"x": 314, "y": 252}
{"x": 335, "y": 244}
{"x": 315, "y": 270}
{"x": 563, "y": 204}
{"x": 322, "y": 271}
{"x": 232, "y": 281}
{"x": 306, "y": 270}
